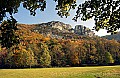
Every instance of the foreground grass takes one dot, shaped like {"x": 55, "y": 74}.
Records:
{"x": 72, "y": 72}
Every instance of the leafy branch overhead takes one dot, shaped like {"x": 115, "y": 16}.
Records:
{"x": 11, "y": 6}
{"x": 8, "y": 36}
{"x": 106, "y": 14}
{"x": 64, "y": 6}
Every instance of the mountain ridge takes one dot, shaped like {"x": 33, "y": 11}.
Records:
{"x": 59, "y": 29}
{"x": 114, "y": 36}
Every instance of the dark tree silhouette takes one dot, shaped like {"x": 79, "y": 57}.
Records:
{"x": 106, "y": 14}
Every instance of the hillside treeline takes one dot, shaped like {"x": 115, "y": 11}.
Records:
{"x": 35, "y": 50}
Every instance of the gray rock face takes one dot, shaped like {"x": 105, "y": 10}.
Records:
{"x": 56, "y": 24}
{"x": 60, "y": 29}
{"x": 82, "y": 30}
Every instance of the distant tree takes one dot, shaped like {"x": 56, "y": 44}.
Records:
{"x": 44, "y": 56}
{"x": 19, "y": 57}
{"x": 56, "y": 52}
{"x": 31, "y": 56}
{"x": 57, "y": 56}
{"x": 3, "y": 55}
{"x": 108, "y": 58}
{"x": 113, "y": 47}
{"x": 100, "y": 46}
{"x": 81, "y": 52}
{"x": 71, "y": 53}
{"x": 91, "y": 55}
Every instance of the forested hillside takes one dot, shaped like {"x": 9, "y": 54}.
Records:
{"x": 57, "y": 29}
{"x": 114, "y": 36}
{"x": 36, "y": 50}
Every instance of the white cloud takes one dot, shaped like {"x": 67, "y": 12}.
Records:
{"x": 102, "y": 32}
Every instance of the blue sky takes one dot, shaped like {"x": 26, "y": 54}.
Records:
{"x": 50, "y": 14}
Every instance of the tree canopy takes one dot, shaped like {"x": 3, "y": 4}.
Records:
{"x": 106, "y": 13}
{"x": 63, "y": 6}
{"x": 36, "y": 50}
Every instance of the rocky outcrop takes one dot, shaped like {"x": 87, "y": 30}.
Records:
{"x": 53, "y": 28}
{"x": 83, "y": 31}
{"x": 56, "y": 24}
{"x": 56, "y": 29}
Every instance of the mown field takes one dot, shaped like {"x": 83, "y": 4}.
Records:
{"x": 70, "y": 72}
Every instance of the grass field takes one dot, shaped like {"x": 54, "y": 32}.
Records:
{"x": 70, "y": 72}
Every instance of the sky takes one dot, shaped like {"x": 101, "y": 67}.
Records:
{"x": 50, "y": 14}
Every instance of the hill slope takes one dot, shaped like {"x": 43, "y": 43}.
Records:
{"x": 56, "y": 29}
{"x": 115, "y": 36}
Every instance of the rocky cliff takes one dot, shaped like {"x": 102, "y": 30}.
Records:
{"x": 58, "y": 29}
{"x": 83, "y": 31}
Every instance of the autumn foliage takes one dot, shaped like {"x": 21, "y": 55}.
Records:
{"x": 35, "y": 50}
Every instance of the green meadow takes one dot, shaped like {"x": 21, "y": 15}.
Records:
{"x": 68, "y": 72}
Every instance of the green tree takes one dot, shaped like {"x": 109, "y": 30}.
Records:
{"x": 8, "y": 36}
{"x": 20, "y": 57}
{"x": 31, "y": 58}
{"x": 57, "y": 55}
{"x": 109, "y": 59}
{"x": 91, "y": 55}
{"x": 82, "y": 50}
{"x": 113, "y": 48}
{"x": 11, "y": 7}
{"x": 106, "y": 13}
{"x": 100, "y": 46}
{"x": 44, "y": 57}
